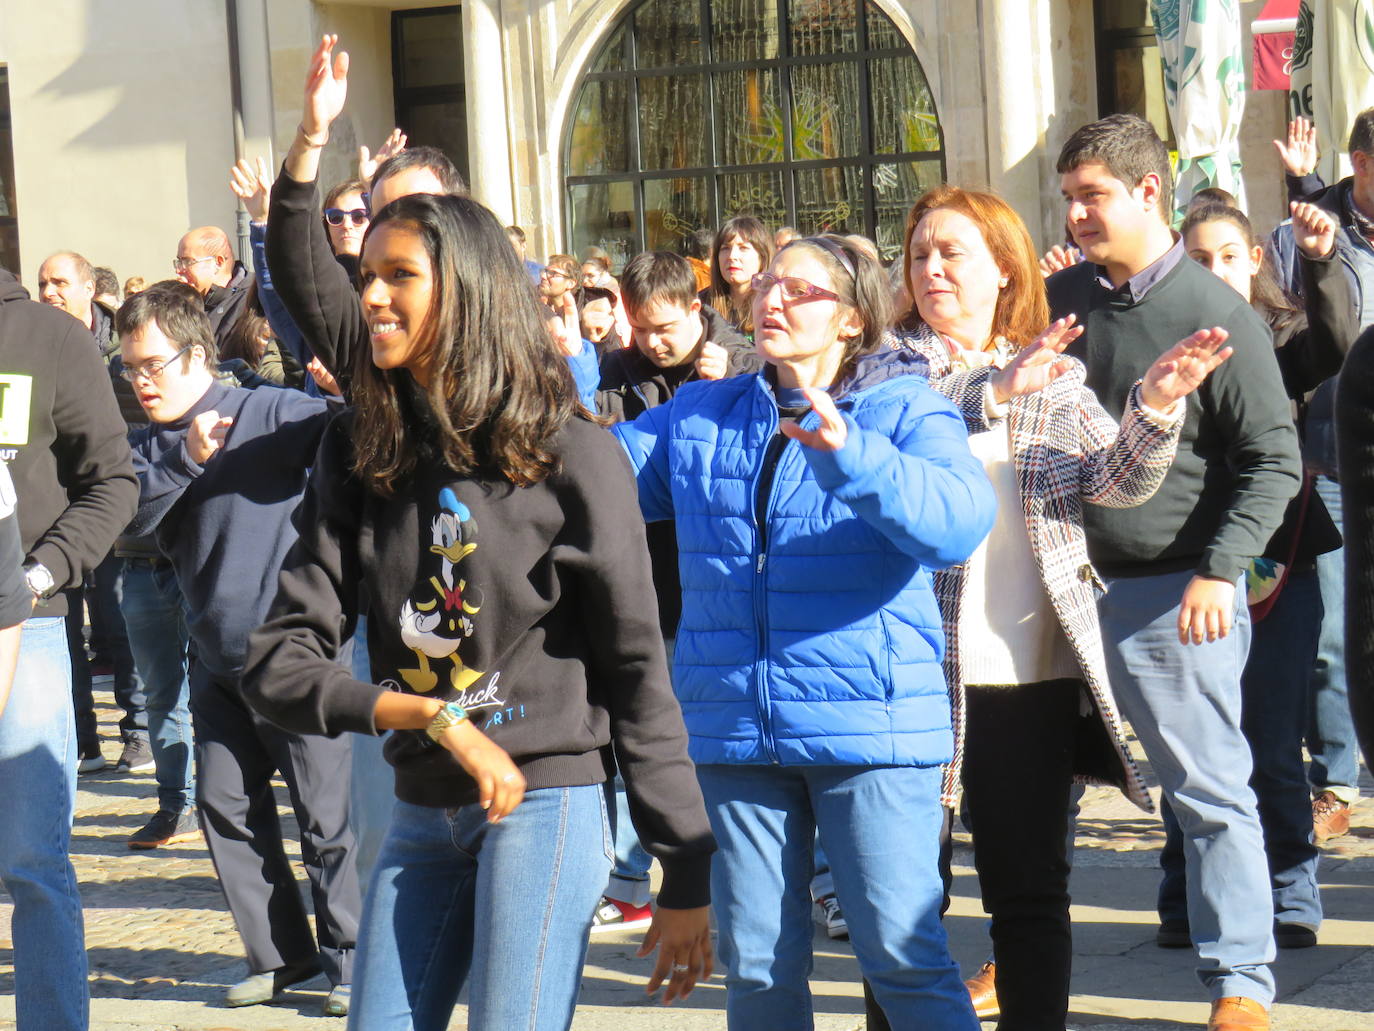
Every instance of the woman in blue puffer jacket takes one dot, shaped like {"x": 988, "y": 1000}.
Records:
{"x": 812, "y": 502}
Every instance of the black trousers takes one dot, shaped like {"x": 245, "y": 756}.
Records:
{"x": 237, "y": 752}
{"x": 1018, "y": 774}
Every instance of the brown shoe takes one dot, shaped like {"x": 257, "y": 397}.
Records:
{"x": 1237, "y": 1013}
{"x": 1330, "y": 817}
{"x": 982, "y": 989}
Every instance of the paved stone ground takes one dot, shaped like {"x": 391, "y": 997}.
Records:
{"x": 163, "y": 949}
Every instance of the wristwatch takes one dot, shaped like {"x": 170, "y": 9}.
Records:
{"x": 450, "y": 715}
{"x": 40, "y": 581}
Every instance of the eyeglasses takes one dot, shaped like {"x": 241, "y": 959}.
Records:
{"x": 336, "y": 216}
{"x": 794, "y": 288}
{"x": 549, "y": 273}
{"x": 182, "y": 264}
{"x": 151, "y": 371}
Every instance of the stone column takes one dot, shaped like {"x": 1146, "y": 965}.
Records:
{"x": 488, "y": 124}
{"x": 1015, "y": 90}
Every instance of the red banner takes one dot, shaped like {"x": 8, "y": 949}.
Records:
{"x": 1273, "y": 60}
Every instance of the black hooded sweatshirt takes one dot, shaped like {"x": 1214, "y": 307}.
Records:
{"x": 63, "y": 439}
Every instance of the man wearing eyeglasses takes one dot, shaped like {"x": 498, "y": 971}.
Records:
{"x": 63, "y": 441}
{"x": 221, "y": 471}
{"x": 205, "y": 262}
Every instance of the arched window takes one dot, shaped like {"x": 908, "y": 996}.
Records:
{"x": 809, "y": 113}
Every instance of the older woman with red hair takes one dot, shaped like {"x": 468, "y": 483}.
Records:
{"x": 1024, "y": 648}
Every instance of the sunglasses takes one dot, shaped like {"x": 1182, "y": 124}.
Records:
{"x": 336, "y": 216}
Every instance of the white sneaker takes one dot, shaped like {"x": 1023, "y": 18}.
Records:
{"x": 91, "y": 763}
{"x": 832, "y": 918}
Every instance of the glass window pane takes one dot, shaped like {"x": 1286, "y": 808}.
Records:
{"x": 896, "y": 187}
{"x": 823, "y": 26}
{"x": 674, "y": 209}
{"x": 744, "y": 30}
{"x": 603, "y": 215}
{"x": 668, "y": 33}
{"x": 882, "y": 34}
{"x": 612, "y": 58}
{"x": 1123, "y": 14}
{"x": 825, "y": 111}
{"x": 431, "y": 50}
{"x": 599, "y": 140}
{"x": 903, "y": 110}
{"x": 1138, "y": 87}
{"x": 748, "y": 118}
{"x": 757, "y": 193}
{"x": 671, "y": 118}
{"x": 443, "y": 125}
{"x": 829, "y": 200}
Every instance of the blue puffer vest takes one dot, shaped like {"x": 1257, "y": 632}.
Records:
{"x": 810, "y": 631}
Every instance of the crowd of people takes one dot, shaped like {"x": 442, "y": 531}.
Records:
{"x": 761, "y": 561}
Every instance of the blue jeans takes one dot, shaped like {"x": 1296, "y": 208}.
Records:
{"x": 1274, "y": 703}
{"x": 881, "y": 827}
{"x": 38, "y": 778}
{"x": 372, "y": 784}
{"x": 155, "y": 618}
{"x": 504, "y": 908}
{"x": 1184, "y": 703}
{"x": 1330, "y": 731}
{"x": 629, "y": 881}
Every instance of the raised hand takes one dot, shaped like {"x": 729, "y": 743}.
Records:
{"x": 252, "y": 185}
{"x": 1299, "y": 152}
{"x": 832, "y": 432}
{"x": 391, "y": 146}
{"x": 206, "y": 435}
{"x": 1038, "y": 364}
{"x": 1058, "y": 257}
{"x": 1181, "y": 369}
{"x": 713, "y": 362}
{"x": 326, "y": 87}
{"x": 1314, "y": 230}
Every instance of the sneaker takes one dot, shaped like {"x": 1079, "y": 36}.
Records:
{"x": 165, "y": 828}
{"x": 831, "y": 918}
{"x": 1294, "y": 936}
{"x": 1330, "y": 817}
{"x": 337, "y": 1003}
{"x": 91, "y": 762}
{"x": 614, "y": 915}
{"x": 137, "y": 756}
{"x": 1174, "y": 934}
{"x": 259, "y": 988}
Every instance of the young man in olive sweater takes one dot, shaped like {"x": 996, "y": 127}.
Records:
{"x": 1175, "y": 625}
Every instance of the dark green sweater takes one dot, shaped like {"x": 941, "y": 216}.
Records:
{"x": 1237, "y": 464}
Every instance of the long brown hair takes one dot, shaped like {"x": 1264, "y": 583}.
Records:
{"x": 1022, "y": 311}
{"x": 1266, "y": 296}
{"x": 498, "y": 393}
{"x": 718, "y": 295}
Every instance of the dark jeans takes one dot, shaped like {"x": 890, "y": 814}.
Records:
{"x": 128, "y": 688}
{"x": 1273, "y": 709}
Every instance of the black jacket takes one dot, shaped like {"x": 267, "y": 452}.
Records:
{"x": 530, "y": 606}
{"x": 1355, "y": 439}
{"x": 223, "y": 304}
{"x": 61, "y": 434}
{"x": 630, "y": 385}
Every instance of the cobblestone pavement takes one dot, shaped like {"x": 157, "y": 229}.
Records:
{"x": 163, "y": 948}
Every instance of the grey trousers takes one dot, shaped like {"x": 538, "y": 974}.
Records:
{"x": 237, "y": 752}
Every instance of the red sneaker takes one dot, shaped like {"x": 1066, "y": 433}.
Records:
{"x": 614, "y": 915}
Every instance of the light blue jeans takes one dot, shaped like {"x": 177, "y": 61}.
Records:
{"x": 1184, "y": 703}
{"x": 155, "y": 620}
{"x": 503, "y": 908}
{"x": 881, "y": 829}
{"x": 372, "y": 783}
{"x": 1331, "y": 742}
{"x": 38, "y": 780}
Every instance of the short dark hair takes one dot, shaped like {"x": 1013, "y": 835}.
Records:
{"x": 515, "y": 233}
{"x": 339, "y": 189}
{"x": 177, "y": 310}
{"x": 1362, "y": 133}
{"x": 106, "y": 282}
{"x": 450, "y": 179}
{"x": 657, "y": 276}
{"x": 1129, "y": 148}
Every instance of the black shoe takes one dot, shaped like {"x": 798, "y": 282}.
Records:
{"x": 137, "y": 756}
{"x": 1294, "y": 936}
{"x": 256, "y": 989}
{"x": 1174, "y": 934}
{"x": 165, "y": 828}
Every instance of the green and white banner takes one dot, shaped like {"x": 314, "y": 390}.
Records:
{"x": 1204, "y": 86}
{"x": 1333, "y": 74}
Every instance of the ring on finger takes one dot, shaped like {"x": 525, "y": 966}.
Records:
{"x": 680, "y": 968}
{"x": 508, "y": 778}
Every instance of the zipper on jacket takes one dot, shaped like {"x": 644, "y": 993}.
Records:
{"x": 763, "y": 503}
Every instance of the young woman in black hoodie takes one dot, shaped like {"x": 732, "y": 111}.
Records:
{"x": 514, "y": 641}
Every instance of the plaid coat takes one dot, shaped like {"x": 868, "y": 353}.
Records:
{"x": 1067, "y": 451}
